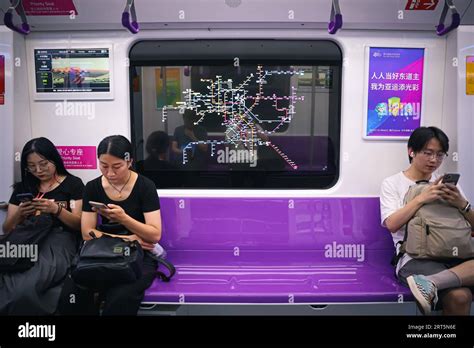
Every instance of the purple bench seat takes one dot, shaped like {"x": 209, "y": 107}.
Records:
{"x": 231, "y": 250}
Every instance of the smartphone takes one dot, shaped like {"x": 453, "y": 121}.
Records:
{"x": 24, "y": 197}
{"x": 451, "y": 178}
{"x": 98, "y": 205}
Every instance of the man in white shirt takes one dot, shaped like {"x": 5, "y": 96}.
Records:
{"x": 451, "y": 280}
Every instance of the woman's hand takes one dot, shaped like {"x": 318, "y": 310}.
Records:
{"x": 45, "y": 206}
{"x": 115, "y": 213}
{"x": 26, "y": 209}
{"x": 145, "y": 245}
{"x": 452, "y": 195}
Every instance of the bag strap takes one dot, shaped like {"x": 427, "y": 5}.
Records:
{"x": 170, "y": 268}
{"x": 398, "y": 256}
{"x": 422, "y": 182}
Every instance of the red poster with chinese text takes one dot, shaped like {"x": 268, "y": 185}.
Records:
{"x": 78, "y": 157}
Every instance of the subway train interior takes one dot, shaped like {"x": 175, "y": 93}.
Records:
{"x": 267, "y": 127}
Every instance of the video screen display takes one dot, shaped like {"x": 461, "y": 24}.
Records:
{"x": 251, "y": 124}
{"x": 227, "y": 114}
{"x": 72, "y": 70}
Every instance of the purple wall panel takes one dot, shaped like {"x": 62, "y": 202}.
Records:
{"x": 269, "y": 224}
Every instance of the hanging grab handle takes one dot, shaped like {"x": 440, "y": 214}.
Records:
{"x": 455, "y": 19}
{"x": 335, "y": 22}
{"x": 8, "y": 18}
{"x": 129, "y": 17}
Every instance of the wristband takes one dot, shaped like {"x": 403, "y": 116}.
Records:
{"x": 466, "y": 209}
{"x": 60, "y": 209}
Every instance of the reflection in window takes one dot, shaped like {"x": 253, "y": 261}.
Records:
{"x": 253, "y": 125}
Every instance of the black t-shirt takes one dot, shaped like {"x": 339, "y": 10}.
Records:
{"x": 71, "y": 189}
{"x": 182, "y": 139}
{"x": 142, "y": 199}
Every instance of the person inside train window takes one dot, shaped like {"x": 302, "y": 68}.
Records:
{"x": 55, "y": 191}
{"x": 185, "y": 143}
{"x": 133, "y": 202}
{"x": 156, "y": 166}
{"x": 451, "y": 281}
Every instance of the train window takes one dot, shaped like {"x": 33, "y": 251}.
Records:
{"x": 236, "y": 113}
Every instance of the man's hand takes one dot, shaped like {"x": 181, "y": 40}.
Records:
{"x": 432, "y": 192}
{"x": 452, "y": 195}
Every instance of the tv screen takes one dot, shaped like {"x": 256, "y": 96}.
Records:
{"x": 200, "y": 120}
{"x": 72, "y": 70}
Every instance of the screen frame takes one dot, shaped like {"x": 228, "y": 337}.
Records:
{"x": 170, "y": 53}
{"x": 68, "y": 95}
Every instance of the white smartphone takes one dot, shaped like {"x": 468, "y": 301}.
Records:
{"x": 98, "y": 205}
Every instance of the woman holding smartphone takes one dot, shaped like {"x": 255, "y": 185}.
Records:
{"x": 46, "y": 187}
{"x": 131, "y": 201}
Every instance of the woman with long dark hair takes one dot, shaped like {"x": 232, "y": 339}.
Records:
{"x": 132, "y": 202}
{"x": 54, "y": 191}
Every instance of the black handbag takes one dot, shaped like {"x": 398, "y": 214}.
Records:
{"x": 106, "y": 262}
{"x": 24, "y": 239}
{"x": 109, "y": 261}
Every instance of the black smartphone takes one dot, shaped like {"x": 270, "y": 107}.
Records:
{"x": 24, "y": 197}
{"x": 98, "y": 205}
{"x": 451, "y": 178}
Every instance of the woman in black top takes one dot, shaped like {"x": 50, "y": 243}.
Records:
{"x": 57, "y": 192}
{"x": 132, "y": 201}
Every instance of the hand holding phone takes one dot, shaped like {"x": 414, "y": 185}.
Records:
{"x": 26, "y": 207}
{"x": 451, "y": 178}
{"x": 24, "y": 197}
{"x": 98, "y": 205}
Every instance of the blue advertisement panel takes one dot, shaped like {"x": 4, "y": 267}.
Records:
{"x": 395, "y": 91}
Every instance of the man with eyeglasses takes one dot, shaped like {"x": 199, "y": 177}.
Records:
{"x": 451, "y": 281}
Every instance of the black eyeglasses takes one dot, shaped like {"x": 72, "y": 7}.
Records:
{"x": 439, "y": 156}
{"x": 42, "y": 165}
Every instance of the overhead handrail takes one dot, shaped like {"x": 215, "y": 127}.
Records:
{"x": 129, "y": 17}
{"x": 441, "y": 29}
{"x": 8, "y": 18}
{"x": 335, "y": 22}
